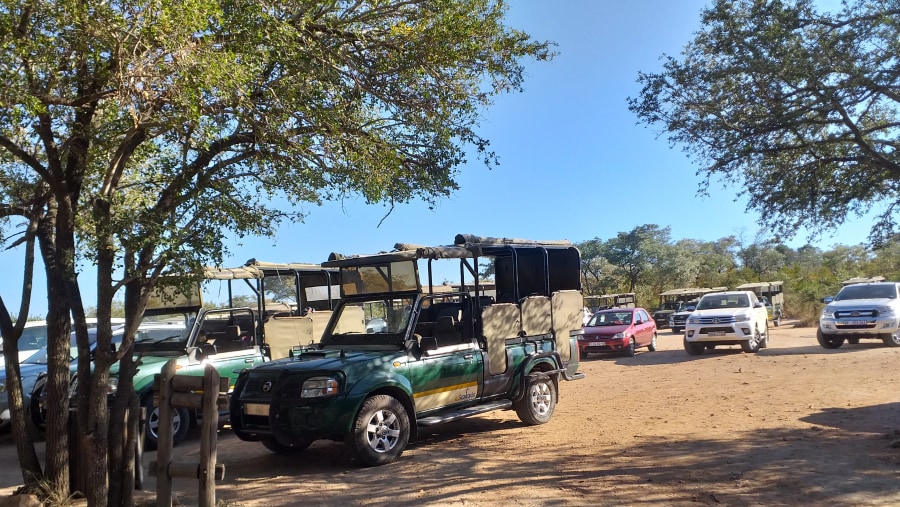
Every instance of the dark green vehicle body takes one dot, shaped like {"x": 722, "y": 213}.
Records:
{"x": 439, "y": 356}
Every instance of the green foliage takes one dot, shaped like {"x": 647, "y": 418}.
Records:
{"x": 796, "y": 108}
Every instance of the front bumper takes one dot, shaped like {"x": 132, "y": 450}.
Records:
{"x": 860, "y": 326}
{"x": 602, "y": 344}
{"x": 719, "y": 333}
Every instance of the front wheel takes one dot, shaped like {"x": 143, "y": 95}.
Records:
{"x": 380, "y": 432}
{"x": 693, "y": 348}
{"x": 752, "y": 345}
{"x": 891, "y": 339}
{"x": 629, "y": 349}
{"x": 539, "y": 402}
{"x": 180, "y": 422}
{"x": 829, "y": 341}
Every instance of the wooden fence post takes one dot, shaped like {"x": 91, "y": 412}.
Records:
{"x": 181, "y": 391}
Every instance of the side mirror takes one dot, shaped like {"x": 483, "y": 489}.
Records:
{"x": 827, "y": 299}
{"x": 428, "y": 343}
{"x": 638, "y": 322}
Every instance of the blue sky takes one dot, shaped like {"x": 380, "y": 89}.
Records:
{"x": 573, "y": 163}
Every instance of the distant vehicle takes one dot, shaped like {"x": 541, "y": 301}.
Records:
{"x": 861, "y": 310}
{"x": 376, "y": 325}
{"x": 586, "y": 315}
{"x": 727, "y": 318}
{"x": 770, "y": 293}
{"x": 618, "y": 330}
{"x": 678, "y": 320}
{"x": 676, "y": 300}
{"x": 34, "y": 337}
{"x": 604, "y": 301}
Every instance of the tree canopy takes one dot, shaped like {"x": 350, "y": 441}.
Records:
{"x": 133, "y": 134}
{"x": 797, "y": 108}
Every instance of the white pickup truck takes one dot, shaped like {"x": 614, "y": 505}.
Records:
{"x": 727, "y": 318}
{"x": 861, "y": 310}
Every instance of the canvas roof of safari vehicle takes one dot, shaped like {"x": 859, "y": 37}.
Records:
{"x": 403, "y": 264}
{"x": 254, "y": 269}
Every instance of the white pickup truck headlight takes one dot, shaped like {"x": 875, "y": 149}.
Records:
{"x": 828, "y": 312}
{"x": 885, "y": 311}
{"x": 317, "y": 387}
{"x": 741, "y": 317}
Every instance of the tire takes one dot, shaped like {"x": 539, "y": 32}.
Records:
{"x": 853, "y": 341}
{"x": 380, "y": 432}
{"x": 539, "y": 402}
{"x": 753, "y": 344}
{"x": 629, "y": 350}
{"x": 711, "y": 346}
{"x": 764, "y": 342}
{"x": 182, "y": 422}
{"x": 829, "y": 341}
{"x": 583, "y": 354}
{"x": 891, "y": 339}
{"x": 652, "y": 346}
{"x": 278, "y": 448}
{"x": 693, "y": 348}
{"x": 676, "y": 330}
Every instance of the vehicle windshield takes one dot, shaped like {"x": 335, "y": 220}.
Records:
{"x": 610, "y": 319}
{"x": 376, "y": 321}
{"x": 865, "y": 291}
{"x": 40, "y": 357}
{"x": 719, "y": 301}
{"x": 670, "y": 305}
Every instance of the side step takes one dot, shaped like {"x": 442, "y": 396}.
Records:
{"x": 465, "y": 412}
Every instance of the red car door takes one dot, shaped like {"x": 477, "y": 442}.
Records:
{"x": 643, "y": 331}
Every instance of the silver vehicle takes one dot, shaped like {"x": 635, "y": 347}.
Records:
{"x": 861, "y": 310}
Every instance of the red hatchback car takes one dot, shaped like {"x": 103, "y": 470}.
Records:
{"x": 618, "y": 330}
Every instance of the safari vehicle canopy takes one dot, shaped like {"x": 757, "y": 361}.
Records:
{"x": 771, "y": 294}
{"x": 604, "y": 301}
{"x": 537, "y": 291}
{"x": 308, "y": 294}
{"x": 675, "y": 300}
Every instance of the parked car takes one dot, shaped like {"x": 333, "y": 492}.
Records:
{"x": 678, "y": 319}
{"x": 33, "y": 373}
{"x": 376, "y": 325}
{"x": 727, "y": 318}
{"x": 618, "y": 330}
{"x": 34, "y": 337}
{"x": 861, "y": 310}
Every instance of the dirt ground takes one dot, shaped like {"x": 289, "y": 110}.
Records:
{"x": 793, "y": 425}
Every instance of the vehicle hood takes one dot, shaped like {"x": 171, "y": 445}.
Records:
{"x": 26, "y": 370}
{"x": 330, "y": 360}
{"x": 606, "y": 330}
{"x": 721, "y": 312}
{"x": 849, "y": 303}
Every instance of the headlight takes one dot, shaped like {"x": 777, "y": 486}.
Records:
{"x": 886, "y": 311}
{"x": 113, "y": 385}
{"x": 317, "y": 387}
{"x": 828, "y": 311}
{"x": 619, "y": 336}
{"x": 741, "y": 317}
{"x": 693, "y": 319}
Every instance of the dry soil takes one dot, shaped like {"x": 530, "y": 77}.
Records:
{"x": 792, "y": 425}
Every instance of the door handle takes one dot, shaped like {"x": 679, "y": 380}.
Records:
{"x": 468, "y": 356}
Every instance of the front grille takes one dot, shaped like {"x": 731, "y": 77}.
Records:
{"x": 855, "y": 314}
{"x": 716, "y": 320}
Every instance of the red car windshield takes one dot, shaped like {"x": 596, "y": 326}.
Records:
{"x": 610, "y": 319}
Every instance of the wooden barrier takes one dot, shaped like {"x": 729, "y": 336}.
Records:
{"x": 206, "y": 393}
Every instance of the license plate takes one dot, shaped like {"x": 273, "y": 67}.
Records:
{"x": 855, "y": 323}
{"x": 256, "y": 409}
{"x": 716, "y": 333}
{"x": 598, "y": 344}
